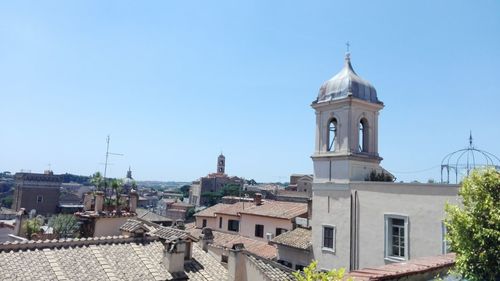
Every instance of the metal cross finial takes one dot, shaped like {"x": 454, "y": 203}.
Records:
{"x": 347, "y": 46}
{"x": 470, "y": 138}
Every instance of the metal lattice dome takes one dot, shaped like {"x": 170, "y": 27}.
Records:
{"x": 459, "y": 163}
{"x": 347, "y": 83}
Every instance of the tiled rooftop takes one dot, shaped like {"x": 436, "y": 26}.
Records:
{"x": 227, "y": 241}
{"x": 268, "y": 208}
{"x": 210, "y": 212}
{"x": 118, "y": 258}
{"x": 399, "y": 270}
{"x": 299, "y": 238}
{"x": 272, "y": 270}
{"x": 150, "y": 216}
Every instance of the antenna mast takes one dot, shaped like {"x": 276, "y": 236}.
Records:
{"x": 107, "y": 157}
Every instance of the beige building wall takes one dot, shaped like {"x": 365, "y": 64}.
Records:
{"x": 294, "y": 256}
{"x": 422, "y": 204}
{"x": 109, "y": 226}
{"x": 248, "y": 222}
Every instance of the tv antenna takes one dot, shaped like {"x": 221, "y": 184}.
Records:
{"x": 107, "y": 157}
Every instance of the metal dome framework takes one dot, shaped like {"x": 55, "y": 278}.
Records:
{"x": 462, "y": 161}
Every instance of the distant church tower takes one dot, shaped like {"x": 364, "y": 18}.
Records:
{"x": 221, "y": 164}
{"x": 346, "y": 146}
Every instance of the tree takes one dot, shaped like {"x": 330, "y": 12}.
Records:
{"x": 33, "y": 226}
{"x": 64, "y": 225}
{"x": 474, "y": 229}
{"x": 97, "y": 180}
{"x": 117, "y": 186}
{"x": 185, "y": 190}
{"x": 311, "y": 274}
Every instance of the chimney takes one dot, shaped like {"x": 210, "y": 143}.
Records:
{"x": 99, "y": 201}
{"x": 207, "y": 238}
{"x": 173, "y": 257}
{"x": 258, "y": 199}
{"x": 236, "y": 264}
{"x": 180, "y": 224}
{"x": 87, "y": 201}
{"x": 133, "y": 198}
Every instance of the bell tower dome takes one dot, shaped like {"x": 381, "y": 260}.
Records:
{"x": 346, "y": 146}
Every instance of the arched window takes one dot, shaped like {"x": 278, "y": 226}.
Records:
{"x": 363, "y": 135}
{"x": 332, "y": 134}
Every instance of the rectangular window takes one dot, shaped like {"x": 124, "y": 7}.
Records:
{"x": 220, "y": 222}
{"x": 329, "y": 237}
{"x": 259, "y": 230}
{"x": 233, "y": 225}
{"x": 39, "y": 199}
{"x": 396, "y": 237}
{"x": 280, "y": 231}
{"x": 204, "y": 223}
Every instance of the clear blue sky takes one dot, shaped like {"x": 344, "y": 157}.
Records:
{"x": 174, "y": 83}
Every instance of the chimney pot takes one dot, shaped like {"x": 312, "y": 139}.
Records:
{"x": 258, "y": 199}
{"x": 133, "y": 198}
{"x": 99, "y": 201}
{"x": 87, "y": 201}
{"x": 173, "y": 256}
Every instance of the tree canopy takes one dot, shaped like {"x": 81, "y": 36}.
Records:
{"x": 310, "y": 273}
{"x": 64, "y": 225}
{"x": 474, "y": 228}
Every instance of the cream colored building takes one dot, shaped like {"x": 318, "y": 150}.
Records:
{"x": 260, "y": 220}
{"x": 360, "y": 217}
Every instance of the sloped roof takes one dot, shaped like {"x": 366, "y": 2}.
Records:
{"x": 299, "y": 238}
{"x": 268, "y": 208}
{"x": 395, "y": 271}
{"x": 103, "y": 259}
{"x": 210, "y": 211}
{"x": 150, "y": 216}
{"x": 272, "y": 270}
{"x": 227, "y": 240}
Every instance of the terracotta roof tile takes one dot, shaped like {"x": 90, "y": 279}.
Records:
{"x": 227, "y": 240}
{"x": 272, "y": 270}
{"x": 101, "y": 259}
{"x": 407, "y": 268}
{"x": 268, "y": 208}
{"x": 299, "y": 238}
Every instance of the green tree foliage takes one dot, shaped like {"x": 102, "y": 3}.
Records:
{"x": 374, "y": 176}
{"x": 64, "y": 225}
{"x": 97, "y": 180}
{"x": 310, "y": 273}
{"x": 474, "y": 228}
{"x": 185, "y": 190}
{"x": 32, "y": 226}
{"x": 117, "y": 187}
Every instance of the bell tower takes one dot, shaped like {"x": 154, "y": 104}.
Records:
{"x": 346, "y": 145}
{"x": 221, "y": 164}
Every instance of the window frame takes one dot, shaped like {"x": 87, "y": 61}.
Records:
{"x": 220, "y": 222}
{"x": 283, "y": 230}
{"x": 203, "y": 223}
{"x": 332, "y": 135}
{"x": 334, "y": 237}
{"x": 39, "y": 199}
{"x": 230, "y": 223}
{"x": 388, "y": 237}
{"x": 261, "y": 232}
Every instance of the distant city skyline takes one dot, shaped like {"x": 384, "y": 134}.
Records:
{"x": 174, "y": 84}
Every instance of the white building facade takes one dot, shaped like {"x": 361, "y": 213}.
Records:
{"x": 360, "y": 217}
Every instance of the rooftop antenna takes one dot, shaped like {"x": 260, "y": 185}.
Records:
{"x": 107, "y": 156}
{"x": 347, "y": 46}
